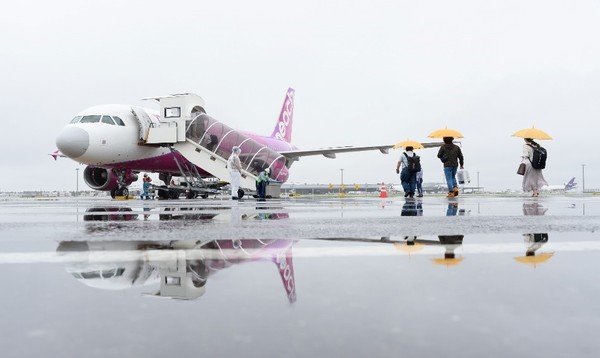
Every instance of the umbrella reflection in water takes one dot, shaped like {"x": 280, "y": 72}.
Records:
{"x": 534, "y": 242}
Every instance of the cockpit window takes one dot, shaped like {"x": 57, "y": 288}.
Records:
{"x": 76, "y": 119}
{"x": 119, "y": 121}
{"x": 90, "y": 119}
{"x": 107, "y": 120}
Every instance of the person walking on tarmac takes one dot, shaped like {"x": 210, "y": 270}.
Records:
{"x": 408, "y": 175}
{"x": 235, "y": 167}
{"x": 451, "y": 155}
{"x": 146, "y": 187}
{"x": 261, "y": 184}
{"x": 420, "y": 183}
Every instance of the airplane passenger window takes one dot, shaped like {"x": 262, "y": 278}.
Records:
{"x": 107, "y": 120}
{"x": 119, "y": 121}
{"x": 76, "y": 119}
{"x": 90, "y": 119}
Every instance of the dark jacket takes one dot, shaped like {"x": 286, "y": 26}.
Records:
{"x": 454, "y": 155}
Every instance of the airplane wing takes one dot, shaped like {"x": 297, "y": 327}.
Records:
{"x": 332, "y": 151}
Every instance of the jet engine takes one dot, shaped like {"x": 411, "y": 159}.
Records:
{"x": 104, "y": 179}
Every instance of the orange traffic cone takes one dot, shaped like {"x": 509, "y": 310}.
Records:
{"x": 383, "y": 192}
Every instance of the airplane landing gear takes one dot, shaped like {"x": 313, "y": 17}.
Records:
{"x": 122, "y": 189}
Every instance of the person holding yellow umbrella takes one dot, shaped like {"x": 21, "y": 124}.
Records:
{"x": 451, "y": 155}
{"x": 533, "y": 178}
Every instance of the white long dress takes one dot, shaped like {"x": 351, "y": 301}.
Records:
{"x": 533, "y": 180}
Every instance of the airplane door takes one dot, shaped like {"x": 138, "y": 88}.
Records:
{"x": 144, "y": 120}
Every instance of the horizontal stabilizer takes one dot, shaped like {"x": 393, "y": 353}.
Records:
{"x": 57, "y": 154}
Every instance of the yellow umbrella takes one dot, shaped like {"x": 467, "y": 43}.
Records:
{"x": 404, "y": 246}
{"x": 448, "y": 262}
{"x": 445, "y": 132}
{"x": 534, "y": 260}
{"x": 532, "y": 133}
{"x": 409, "y": 143}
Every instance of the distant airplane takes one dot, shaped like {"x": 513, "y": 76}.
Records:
{"x": 564, "y": 187}
{"x": 117, "y": 142}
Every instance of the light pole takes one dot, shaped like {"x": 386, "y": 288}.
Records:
{"x": 478, "y": 181}
{"x": 77, "y": 181}
{"x": 583, "y": 178}
{"x": 342, "y": 184}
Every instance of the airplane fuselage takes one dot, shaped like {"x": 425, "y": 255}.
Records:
{"x": 110, "y": 137}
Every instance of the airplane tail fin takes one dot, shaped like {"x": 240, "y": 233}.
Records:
{"x": 571, "y": 184}
{"x": 283, "y": 128}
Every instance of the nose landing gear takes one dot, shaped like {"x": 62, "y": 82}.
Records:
{"x": 123, "y": 178}
{"x": 124, "y": 191}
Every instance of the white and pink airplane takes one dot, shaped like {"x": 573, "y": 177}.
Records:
{"x": 117, "y": 142}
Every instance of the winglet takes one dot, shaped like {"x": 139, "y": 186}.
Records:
{"x": 56, "y": 154}
{"x": 283, "y": 127}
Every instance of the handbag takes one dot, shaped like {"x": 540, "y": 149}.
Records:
{"x": 444, "y": 157}
{"x": 521, "y": 170}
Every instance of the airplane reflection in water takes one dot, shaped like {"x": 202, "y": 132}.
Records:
{"x": 181, "y": 268}
{"x": 124, "y": 213}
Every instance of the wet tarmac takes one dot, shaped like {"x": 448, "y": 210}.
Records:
{"x": 469, "y": 277}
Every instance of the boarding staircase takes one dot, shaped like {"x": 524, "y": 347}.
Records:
{"x": 212, "y": 162}
{"x": 175, "y": 110}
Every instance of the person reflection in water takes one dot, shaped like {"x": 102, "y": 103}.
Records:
{"x": 533, "y": 209}
{"x": 452, "y": 209}
{"x": 533, "y": 242}
{"x": 412, "y": 208}
{"x": 450, "y": 243}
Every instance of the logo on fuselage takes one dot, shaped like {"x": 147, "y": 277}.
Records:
{"x": 286, "y": 116}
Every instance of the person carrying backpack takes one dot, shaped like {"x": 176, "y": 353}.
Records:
{"x": 411, "y": 165}
{"x": 534, "y": 157}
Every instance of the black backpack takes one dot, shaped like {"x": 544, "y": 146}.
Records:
{"x": 414, "y": 163}
{"x": 539, "y": 157}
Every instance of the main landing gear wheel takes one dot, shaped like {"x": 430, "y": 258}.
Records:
{"x": 124, "y": 191}
{"x": 240, "y": 193}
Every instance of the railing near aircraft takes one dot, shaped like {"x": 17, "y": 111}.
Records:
{"x": 220, "y": 139}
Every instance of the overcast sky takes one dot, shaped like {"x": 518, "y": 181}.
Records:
{"x": 365, "y": 72}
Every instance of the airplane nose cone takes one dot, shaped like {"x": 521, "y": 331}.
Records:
{"x": 73, "y": 141}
